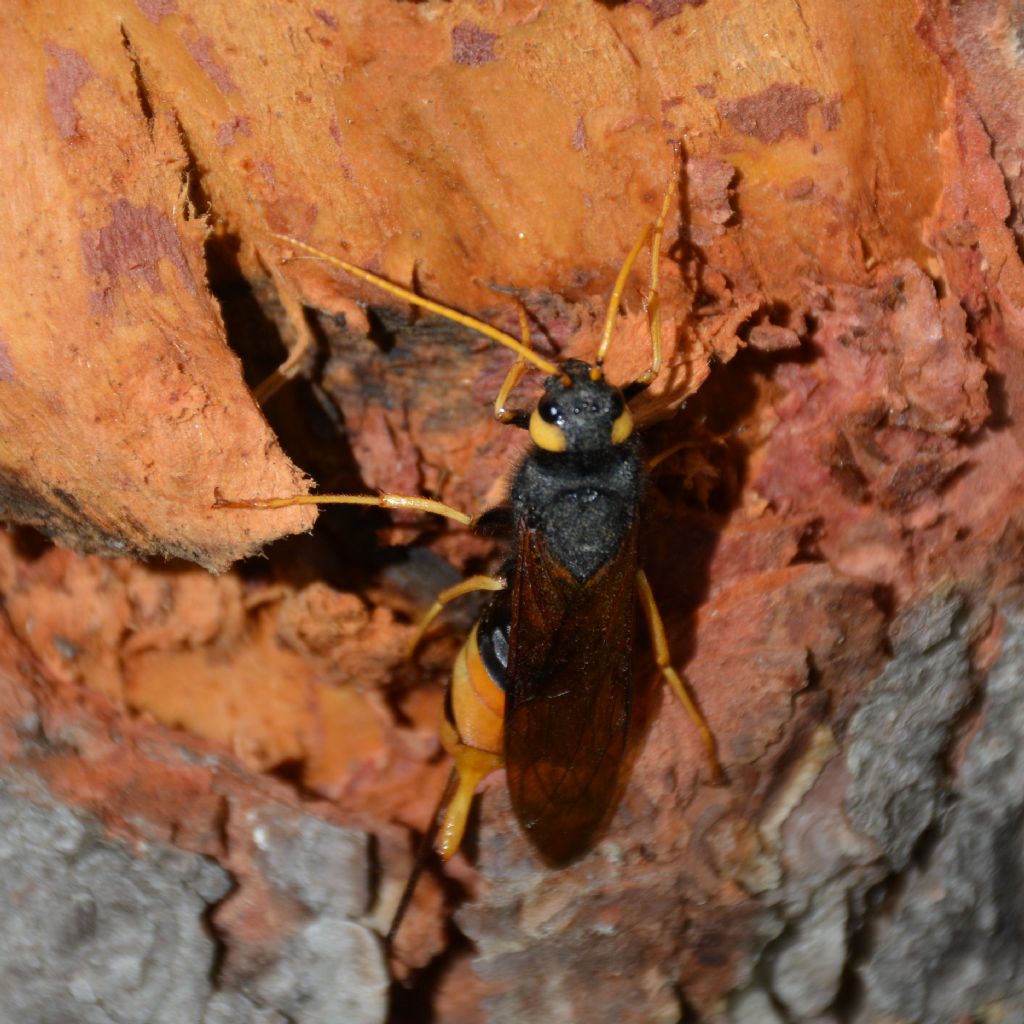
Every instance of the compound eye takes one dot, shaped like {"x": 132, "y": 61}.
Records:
{"x": 549, "y": 412}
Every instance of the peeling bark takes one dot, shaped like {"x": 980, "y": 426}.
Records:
{"x": 836, "y": 552}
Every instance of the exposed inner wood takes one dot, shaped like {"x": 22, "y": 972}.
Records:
{"x": 843, "y": 299}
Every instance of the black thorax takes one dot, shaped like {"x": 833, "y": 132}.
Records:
{"x": 581, "y": 503}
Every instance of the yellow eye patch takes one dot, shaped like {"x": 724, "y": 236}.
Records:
{"x": 622, "y": 427}
{"x": 546, "y": 435}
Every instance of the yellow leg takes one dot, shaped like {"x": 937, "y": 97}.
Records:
{"x": 472, "y": 766}
{"x": 425, "y": 848}
{"x": 392, "y": 501}
{"x": 468, "y": 586}
{"x": 662, "y": 657}
{"x": 448, "y": 824}
{"x": 661, "y": 457}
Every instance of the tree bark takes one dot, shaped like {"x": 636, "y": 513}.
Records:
{"x": 836, "y": 552}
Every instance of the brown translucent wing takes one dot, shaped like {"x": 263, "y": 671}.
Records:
{"x": 568, "y": 695}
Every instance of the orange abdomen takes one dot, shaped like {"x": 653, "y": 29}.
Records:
{"x": 476, "y": 702}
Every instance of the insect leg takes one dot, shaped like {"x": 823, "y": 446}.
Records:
{"x": 393, "y": 501}
{"x": 674, "y": 449}
{"x": 426, "y": 846}
{"x": 468, "y": 586}
{"x": 662, "y": 658}
{"x": 448, "y": 824}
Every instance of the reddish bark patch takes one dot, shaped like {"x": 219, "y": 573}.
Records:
{"x": 708, "y": 197}
{"x": 156, "y": 10}
{"x": 472, "y": 44}
{"x": 132, "y": 245}
{"x": 663, "y": 9}
{"x": 772, "y": 338}
{"x": 773, "y": 113}
{"x": 831, "y": 114}
{"x": 266, "y": 170}
{"x": 62, "y": 85}
{"x": 230, "y": 130}
{"x": 986, "y": 41}
{"x": 200, "y": 49}
{"x": 707, "y": 90}
{"x": 346, "y": 167}
{"x": 868, "y": 435}
{"x": 802, "y": 188}
{"x": 579, "y": 136}
{"x": 290, "y": 216}
{"x": 7, "y": 373}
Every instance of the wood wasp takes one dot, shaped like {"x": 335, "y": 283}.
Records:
{"x": 544, "y": 686}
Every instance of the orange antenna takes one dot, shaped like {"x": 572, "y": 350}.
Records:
{"x": 464, "y": 319}
{"x": 654, "y": 232}
{"x": 620, "y": 287}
